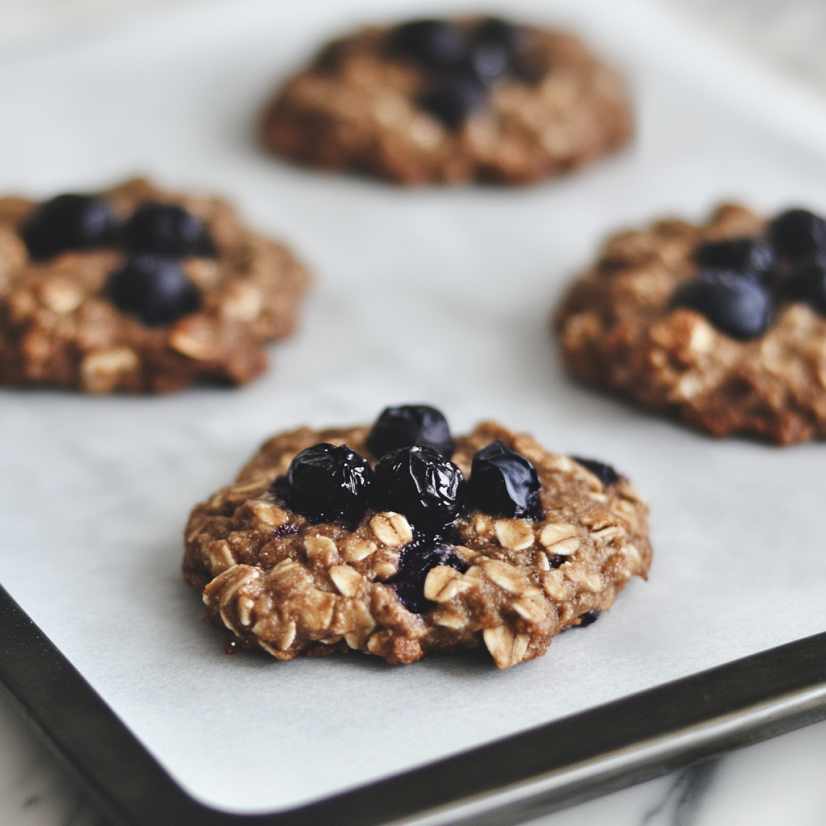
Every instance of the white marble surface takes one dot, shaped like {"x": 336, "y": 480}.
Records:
{"x": 778, "y": 781}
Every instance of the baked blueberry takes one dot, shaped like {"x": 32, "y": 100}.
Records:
{"x": 742, "y": 255}
{"x": 68, "y": 222}
{"x": 435, "y": 44}
{"x": 415, "y": 562}
{"x": 494, "y": 47}
{"x": 325, "y": 483}
{"x": 452, "y": 98}
{"x": 736, "y": 305}
{"x": 167, "y": 229}
{"x": 154, "y": 288}
{"x": 588, "y": 618}
{"x": 605, "y": 473}
{"x": 406, "y": 425}
{"x": 420, "y": 483}
{"x": 455, "y": 612}
{"x": 798, "y": 233}
{"x": 503, "y": 483}
{"x": 807, "y": 283}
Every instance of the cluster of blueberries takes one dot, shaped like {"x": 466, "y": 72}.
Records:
{"x": 741, "y": 281}
{"x": 414, "y": 476}
{"x": 461, "y": 63}
{"x": 151, "y": 284}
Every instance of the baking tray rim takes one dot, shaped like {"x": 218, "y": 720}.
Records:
{"x": 505, "y": 781}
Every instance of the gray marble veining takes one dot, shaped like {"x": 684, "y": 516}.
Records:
{"x": 684, "y": 797}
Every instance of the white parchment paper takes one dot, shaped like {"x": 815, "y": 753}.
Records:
{"x": 426, "y": 295}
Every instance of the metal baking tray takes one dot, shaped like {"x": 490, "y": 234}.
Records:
{"x": 429, "y": 295}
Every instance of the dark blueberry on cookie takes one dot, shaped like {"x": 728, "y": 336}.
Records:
{"x": 494, "y": 46}
{"x": 452, "y": 98}
{"x": 325, "y": 482}
{"x": 503, "y": 483}
{"x": 406, "y": 425}
{"x": 167, "y": 229}
{"x": 738, "y": 306}
{"x": 807, "y": 283}
{"x": 154, "y": 288}
{"x": 743, "y": 255}
{"x": 421, "y": 484}
{"x": 435, "y": 44}
{"x": 415, "y": 563}
{"x": 798, "y": 233}
{"x": 588, "y": 618}
{"x": 605, "y": 473}
{"x": 68, "y": 222}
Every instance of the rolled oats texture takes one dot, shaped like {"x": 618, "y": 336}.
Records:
{"x": 59, "y": 329}
{"x": 282, "y": 584}
{"x": 356, "y": 108}
{"x": 617, "y": 330}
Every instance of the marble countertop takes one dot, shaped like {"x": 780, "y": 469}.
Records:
{"x": 773, "y": 782}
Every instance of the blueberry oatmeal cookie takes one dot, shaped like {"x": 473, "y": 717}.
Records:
{"x": 449, "y": 101}
{"x": 138, "y": 289}
{"x": 722, "y": 323}
{"x": 399, "y": 540}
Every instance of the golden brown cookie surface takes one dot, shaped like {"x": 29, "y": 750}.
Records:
{"x": 292, "y": 585}
{"x": 622, "y": 326}
{"x": 61, "y": 324}
{"x": 498, "y": 102}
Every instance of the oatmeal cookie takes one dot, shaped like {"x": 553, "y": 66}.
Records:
{"x": 138, "y": 289}
{"x": 722, "y": 323}
{"x": 398, "y": 540}
{"x": 450, "y": 101}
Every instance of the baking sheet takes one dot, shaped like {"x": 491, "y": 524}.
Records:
{"x": 426, "y": 295}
